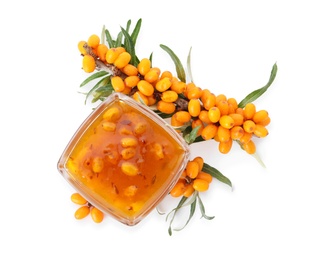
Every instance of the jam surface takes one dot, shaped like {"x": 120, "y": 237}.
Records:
{"x": 125, "y": 158}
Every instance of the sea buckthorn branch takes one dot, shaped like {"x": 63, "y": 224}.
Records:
{"x": 196, "y": 113}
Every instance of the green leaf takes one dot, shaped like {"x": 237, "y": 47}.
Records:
{"x": 103, "y": 35}
{"x": 258, "y": 92}
{"x": 130, "y": 47}
{"x": 191, "y": 137}
{"x": 174, "y": 212}
{"x": 109, "y": 39}
{"x": 135, "y": 32}
{"x": 202, "y": 209}
{"x": 100, "y": 83}
{"x": 178, "y": 65}
{"x": 191, "y": 213}
{"x": 216, "y": 174}
{"x": 118, "y": 41}
{"x": 94, "y": 76}
{"x": 102, "y": 92}
{"x": 189, "y": 66}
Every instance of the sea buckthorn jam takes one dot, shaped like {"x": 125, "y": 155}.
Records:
{"x": 124, "y": 159}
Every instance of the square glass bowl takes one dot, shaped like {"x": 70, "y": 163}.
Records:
{"x": 124, "y": 159}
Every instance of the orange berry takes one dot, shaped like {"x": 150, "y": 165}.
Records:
{"x": 249, "y": 110}
{"x": 178, "y": 189}
{"x": 113, "y": 53}
{"x": 209, "y": 101}
{"x": 249, "y": 147}
{"x": 101, "y": 51}
{"x": 131, "y": 81}
{"x": 233, "y": 103}
{"x": 236, "y": 132}
{"x": 237, "y": 118}
{"x": 182, "y": 116}
{"x": 169, "y": 96}
{"x": 200, "y": 162}
{"x": 165, "y": 107}
{"x": 260, "y": 116}
{"x": 178, "y": 86}
{"x": 188, "y": 191}
{"x": 260, "y": 131}
{"x": 194, "y": 107}
{"x": 223, "y": 106}
{"x": 163, "y": 84}
{"x": 130, "y": 70}
{"x": 245, "y": 138}
{"x": 89, "y": 63}
{"x": 193, "y": 91}
{"x": 200, "y": 185}
{"x": 219, "y": 98}
{"x": 81, "y": 47}
{"x": 205, "y": 176}
{"x": 225, "y": 147}
{"x": 192, "y": 169}
{"x": 223, "y": 134}
{"x": 195, "y": 123}
{"x": 226, "y": 121}
{"x": 203, "y": 116}
{"x": 144, "y": 66}
{"x": 152, "y": 75}
{"x": 145, "y": 87}
{"x": 96, "y": 215}
{"x": 140, "y": 98}
{"x": 214, "y": 114}
{"x": 122, "y": 60}
{"x": 78, "y": 199}
{"x": 249, "y": 126}
{"x": 166, "y": 74}
{"x": 93, "y": 41}
{"x": 82, "y": 212}
{"x": 209, "y": 131}
{"x": 117, "y": 83}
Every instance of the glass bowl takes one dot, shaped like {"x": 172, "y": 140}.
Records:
{"x": 124, "y": 159}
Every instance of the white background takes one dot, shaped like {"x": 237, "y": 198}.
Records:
{"x": 277, "y": 212}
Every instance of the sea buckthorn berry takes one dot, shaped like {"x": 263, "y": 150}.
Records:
{"x": 129, "y": 169}
{"x": 239, "y": 111}
{"x": 163, "y": 84}
{"x": 194, "y": 107}
{"x": 223, "y": 106}
{"x": 145, "y": 87}
{"x": 169, "y": 96}
{"x": 193, "y": 92}
{"x": 225, "y": 147}
{"x": 203, "y": 116}
{"x": 165, "y": 107}
{"x": 130, "y": 70}
{"x": 78, "y": 199}
{"x": 245, "y": 138}
{"x": 89, "y": 63}
{"x": 260, "y": 131}
{"x": 200, "y": 162}
{"x": 122, "y": 60}
{"x": 93, "y": 41}
{"x": 144, "y": 66}
{"x": 178, "y": 86}
{"x": 131, "y": 81}
{"x": 128, "y": 142}
{"x": 140, "y": 128}
{"x": 97, "y": 164}
{"x": 96, "y": 215}
{"x": 189, "y": 190}
{"x": 223, "y": 134}
{"x": 233, "y": 103}
{"x": 236, "y": 132}
{"x": 175, "y": 122}
{"x": 140, "y": 98}
{"x": 231, "y": 109}
{"x": 214, "y": 114}
{"x": 166, "y": 74}
{"x": 101, "y": 51}
{"x": 200, "y": 185}
{"x": 151, "y": 100}
{"x": 209, "y": 131}
{"x": 219, "y": 98}
{"x": 209, "y": 101}
{"x": 238, "y": 119}
{"x": 192, "y": 169}
{"x": 113, "y": 53}
{"x": 178, "y": 189}
{"x": 130, "y": 191}
{"x": 205, "y": 176}
{"x": 266, "y": 121}
{"x": 226, "y": 121}
{"x": 117, "y": 83}
{"x": 195, "y": 123}
{"x": 158, "y": 150}
{"x": 128, "y": 153}
{"x": 260, "y": 116}
{"x": 249, "y": 147}
{"x": 81, "y": 47}
{"x": 249, "y": 126}
{"x": 204, "y": 94}
{"x": 82, "y": 212}
{"x": 182, "y": 116}
{"x": 152, "y": 75}
{"x": 249, "y": 110}
{"x": 112, "y": 114}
